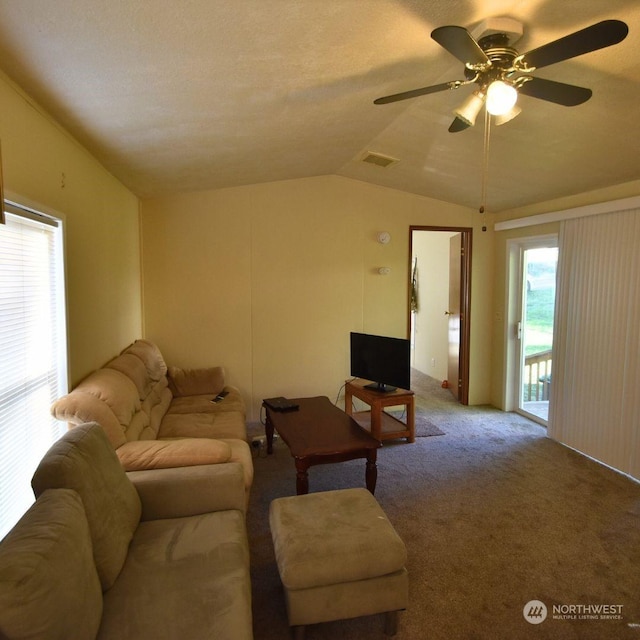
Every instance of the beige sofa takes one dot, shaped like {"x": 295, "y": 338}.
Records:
{"x": 160, "y": 417}
{"x": 157, "y": 555}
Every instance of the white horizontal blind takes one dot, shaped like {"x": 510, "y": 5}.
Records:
{"x": 596, "y": 359}
{"x": 32, "y": 354}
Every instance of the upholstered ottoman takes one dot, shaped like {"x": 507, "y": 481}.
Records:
{"x": 339, "y": 557}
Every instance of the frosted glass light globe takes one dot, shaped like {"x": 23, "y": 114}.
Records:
{"x": 468, "y": 111}
{"x": 501, "y": 98}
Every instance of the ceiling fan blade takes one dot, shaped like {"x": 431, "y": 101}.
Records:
{"x": 597, "y": 36}
{"x": 567, "y": 95}
{"x": 458, "y": 125}
{"x": 414, "y": 93}
{"x": 460, "y": 43}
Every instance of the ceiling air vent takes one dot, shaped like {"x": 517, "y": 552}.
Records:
{"x": 378, "y": 159}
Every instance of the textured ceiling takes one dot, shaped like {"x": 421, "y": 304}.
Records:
{"x": 201, "y": 94}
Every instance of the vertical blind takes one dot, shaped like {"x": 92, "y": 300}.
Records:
{"x": 596, "y": 354}
{"x": 32, "y": 353}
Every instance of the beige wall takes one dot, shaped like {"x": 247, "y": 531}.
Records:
{"x": 269, "y": 280}
{"x": 45, "y": 167}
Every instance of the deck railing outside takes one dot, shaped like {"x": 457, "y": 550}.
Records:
{"x": 537, "y": 376}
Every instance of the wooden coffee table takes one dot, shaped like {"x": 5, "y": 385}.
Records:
{"x": 321, "y": 433}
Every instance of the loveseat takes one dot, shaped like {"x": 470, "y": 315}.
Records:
{"x": 158, "y": 554}
{"x": 159, "y": 417}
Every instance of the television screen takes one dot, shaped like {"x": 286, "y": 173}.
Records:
{"x": 385, "y": 361}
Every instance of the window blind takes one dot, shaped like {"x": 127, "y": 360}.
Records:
{"x": 596, "y": 353}
{"x": 32, "y": 352}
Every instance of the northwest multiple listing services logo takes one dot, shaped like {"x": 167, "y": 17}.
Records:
{"x": 536, "y": 612}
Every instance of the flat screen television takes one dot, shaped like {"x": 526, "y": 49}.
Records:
{"x": 385, "y": 361}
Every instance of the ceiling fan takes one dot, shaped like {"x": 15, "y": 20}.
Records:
{"x": 501, "y": 73}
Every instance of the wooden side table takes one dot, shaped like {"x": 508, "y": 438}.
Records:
{"x": 381, "y": 424}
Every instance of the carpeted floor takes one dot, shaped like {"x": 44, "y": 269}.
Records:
{"x": 494, "y": 515}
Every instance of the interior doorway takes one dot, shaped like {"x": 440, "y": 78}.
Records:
{"x": 439, "y": 305}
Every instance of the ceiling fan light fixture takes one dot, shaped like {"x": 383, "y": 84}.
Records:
{"x": 501, "y": 98}
{"x": 468, "y": 111}
{"x": 507, "y": 117}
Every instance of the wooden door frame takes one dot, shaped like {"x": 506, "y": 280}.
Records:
{"x": 465, "y": 299}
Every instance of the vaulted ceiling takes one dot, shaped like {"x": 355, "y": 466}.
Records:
{"x": 203, "y": 94}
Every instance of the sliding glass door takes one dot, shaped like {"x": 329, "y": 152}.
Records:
{"x": 535, "y": 327}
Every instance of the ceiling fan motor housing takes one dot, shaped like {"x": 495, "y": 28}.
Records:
{"x": 501, "y": 56}
{"x": 505, "y": 26}
{"x": 496, "y": 37}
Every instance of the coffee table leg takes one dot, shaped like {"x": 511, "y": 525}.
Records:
{"x": 302, "y": 477}
{"x": 371, "y": 474}
{"x": 268, "y": 430}
{"x": 411, "y": 420}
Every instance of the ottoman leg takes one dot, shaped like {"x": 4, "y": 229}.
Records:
{"x": 391, "y": 623}
{"x": 298, "y": 632}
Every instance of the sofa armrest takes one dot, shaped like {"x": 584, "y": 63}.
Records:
{"x": 189, "y": 491}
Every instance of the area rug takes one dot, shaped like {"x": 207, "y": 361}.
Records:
{"x": 424, "y": 427}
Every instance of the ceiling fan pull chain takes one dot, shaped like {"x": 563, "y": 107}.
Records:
{"x": 485, "y": 160}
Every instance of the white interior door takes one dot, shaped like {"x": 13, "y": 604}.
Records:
{"x": 453, "y": 314}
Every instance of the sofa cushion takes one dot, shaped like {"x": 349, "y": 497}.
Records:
{"x": 78, "y": 407}
{"x": 232, "y": 402}
{"x": 49, "y": 588}
{"x": 84, "y": 460}
{"x": 240, "y": 452}
{"x": 135, "y": 370}
{"x": 164, "y": 454}
{"x": 203, "y": 425}
{"x": 194, "y": 382}
{"x": 115, "y": 389}
{"x": 197, "y": 567}
{"x": 101, "y": 395}
{"x": 157, "y": 404}
{"x": 150, "y": 355}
